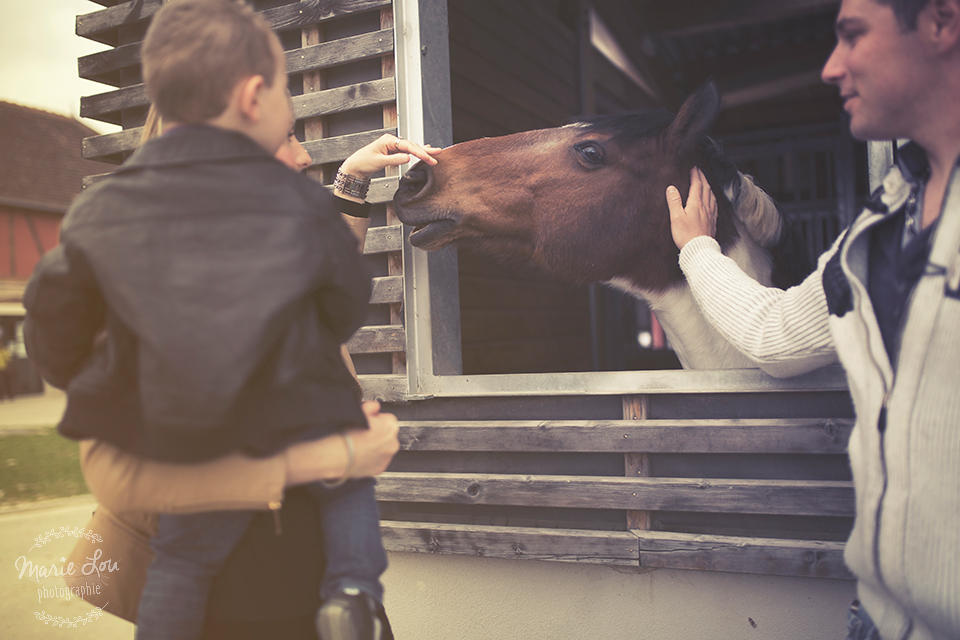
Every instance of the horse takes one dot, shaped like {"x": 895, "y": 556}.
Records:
{"x": 585, "y": 203}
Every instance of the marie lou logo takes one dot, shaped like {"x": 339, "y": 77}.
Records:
{"x": 61, "y": 582}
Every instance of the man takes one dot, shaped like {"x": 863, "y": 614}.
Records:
{"x": 886, "y": 297}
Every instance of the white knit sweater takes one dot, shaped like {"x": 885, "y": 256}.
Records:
{"x": 905, "y": 544}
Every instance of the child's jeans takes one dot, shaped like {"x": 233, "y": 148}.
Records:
{"x": 191, "y": 549}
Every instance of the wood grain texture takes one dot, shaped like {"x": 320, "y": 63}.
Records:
{"x": 803, "y": 558}
{"x": 527, "y": 543}
{"x": 783, "y": 435}
{"x": 774, "y": 497}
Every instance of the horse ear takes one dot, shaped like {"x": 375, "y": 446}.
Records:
{"x": 694, "y": 120}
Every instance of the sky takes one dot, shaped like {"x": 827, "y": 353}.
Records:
{"x": 39, "y": 48}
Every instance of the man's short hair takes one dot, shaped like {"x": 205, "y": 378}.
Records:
{"x": 906, "y": 11}
{"x": 196, "y": 51}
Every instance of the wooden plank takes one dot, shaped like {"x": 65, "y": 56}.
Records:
{"x": 327, "y": 150}
{"x": 381, "y": 191}
{"x": 321, "y": 56}
{"x": 340, "y": 147}
{"x": 637, "y": 464}
{"x": 775, "y": 497}
{"x": 94, "y": 179}
{"x": 782, "y": 435}
{"x": 342, "y": 51}
{"x": 101, "y": 25}
{"x": 802, "y": 558}
{"x": 104, "y": 66}
{"x": 106, "y": 106}
{"x": 385, "y": 388}
{"x": 387, "y": 290}
{"x": 388, "y": 69}
{"x": 313, "y": 11}
{"x": 110, "y": 144}
{"x": 377, "y": 339}
{"x": 383, "y": 239}
{"x": 526, "y": 543}
{"x": 354, "y": 96}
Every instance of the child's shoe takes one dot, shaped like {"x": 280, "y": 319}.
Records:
{"x": 349, "y": 615}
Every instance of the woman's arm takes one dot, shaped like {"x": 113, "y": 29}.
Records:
{"x": 125, "y": 483}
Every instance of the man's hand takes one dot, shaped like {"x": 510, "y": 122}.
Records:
{"x": 699, "y": 217}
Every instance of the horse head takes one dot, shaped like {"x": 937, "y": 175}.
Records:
{"x": 586, "y": 203}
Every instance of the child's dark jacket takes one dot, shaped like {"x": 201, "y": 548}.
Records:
{"x": 197, "y": 303}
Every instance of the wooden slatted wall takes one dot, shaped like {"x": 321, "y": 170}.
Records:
{"x": 654, "y": 481}
{"x": 341, "y": 66}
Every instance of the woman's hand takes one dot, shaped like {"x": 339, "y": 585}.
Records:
{"x": 374, "y": 447}
{"x": 386, "y": 151}
{"x": 699, "y": 217}
{"x": 327, "y": 458}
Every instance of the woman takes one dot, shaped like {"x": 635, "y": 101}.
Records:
{"x": 263, "y": 591}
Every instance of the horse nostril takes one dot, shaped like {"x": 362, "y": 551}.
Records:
{"x": 413, "y": 183}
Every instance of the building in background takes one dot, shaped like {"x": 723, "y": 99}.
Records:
{"x": 41, "y": 172}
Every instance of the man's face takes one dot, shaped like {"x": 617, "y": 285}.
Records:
{"x": 880, "y": 70}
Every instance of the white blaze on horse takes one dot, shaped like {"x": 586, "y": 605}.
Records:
{"x": 585, "y": 203}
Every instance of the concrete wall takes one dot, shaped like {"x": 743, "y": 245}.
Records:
{"x": 433, "y": 597}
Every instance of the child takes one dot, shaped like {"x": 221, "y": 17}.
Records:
{"x": 197, "y": 303}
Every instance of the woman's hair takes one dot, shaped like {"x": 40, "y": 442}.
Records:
{"x": 196, "y": 51}
{"x": 152, "y": 126}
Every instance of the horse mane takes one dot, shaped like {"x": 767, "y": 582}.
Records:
{"x": 756, "y": 210}
{"x": 631, "y": 127}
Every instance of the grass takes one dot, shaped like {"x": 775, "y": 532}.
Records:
{"x": 38, "y": 466}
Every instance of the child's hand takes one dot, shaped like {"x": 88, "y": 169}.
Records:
{"x": 387, "y": 151}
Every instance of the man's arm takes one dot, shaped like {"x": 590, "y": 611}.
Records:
{"x": 785, "y": 332}
{"x": 65, "y": 311}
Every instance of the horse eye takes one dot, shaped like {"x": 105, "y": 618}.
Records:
{"x": 591, "y": 152}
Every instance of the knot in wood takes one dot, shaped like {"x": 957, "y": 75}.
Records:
{"x": 473, "y": 490}
{"x": 831, "y": 429}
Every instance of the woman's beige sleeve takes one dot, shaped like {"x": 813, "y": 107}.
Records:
{"x": 125, "y": 483}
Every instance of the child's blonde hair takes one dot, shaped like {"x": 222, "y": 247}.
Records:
{"x": 196, "y": 51}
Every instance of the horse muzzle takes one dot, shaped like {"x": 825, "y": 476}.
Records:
{"x": 415, "y": 184}
{"x": 432, "y": 229}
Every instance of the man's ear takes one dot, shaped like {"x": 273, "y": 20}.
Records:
{"x": 945, "y": 27}
{"x": 248, "y": 97}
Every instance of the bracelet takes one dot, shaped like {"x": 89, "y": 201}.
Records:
{"x": 351, "y": 185}
{"x": 353, "y": 209}
{"x": 351, "y": 459}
